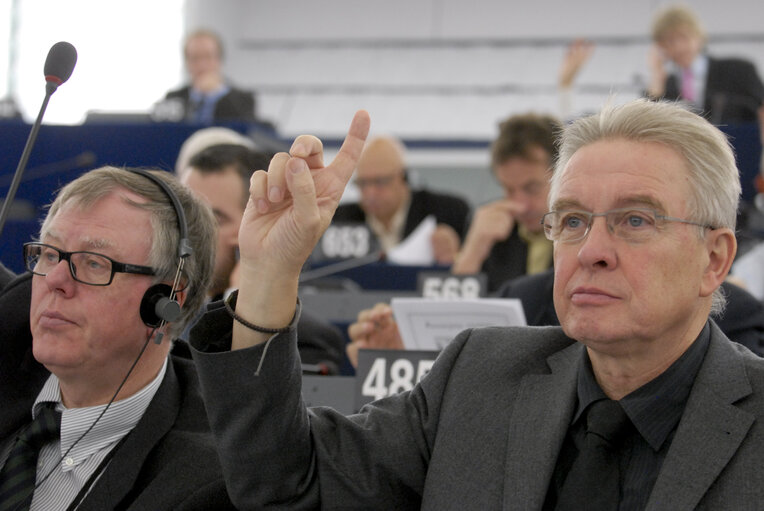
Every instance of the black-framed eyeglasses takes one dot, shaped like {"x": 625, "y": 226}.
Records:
{"x": 87, "y": 267}
{"x": 631, "y": 224}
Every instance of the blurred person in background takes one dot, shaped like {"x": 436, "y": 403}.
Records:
{"x": 392, "y": 210}
{"x": 210, "y": 97}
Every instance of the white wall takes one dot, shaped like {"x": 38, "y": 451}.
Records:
{"x": 444, "y": 68}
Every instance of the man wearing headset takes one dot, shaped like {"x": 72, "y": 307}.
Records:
{"x": 104, "y": 282}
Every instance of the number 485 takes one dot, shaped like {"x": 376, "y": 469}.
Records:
{"x": 402, "y": 377}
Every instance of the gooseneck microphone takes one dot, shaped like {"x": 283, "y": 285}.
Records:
{"x": 58, "y": 68}
{"x": 59, "y": 65}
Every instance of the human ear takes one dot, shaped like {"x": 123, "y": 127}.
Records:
{"x": 722, "y": 247}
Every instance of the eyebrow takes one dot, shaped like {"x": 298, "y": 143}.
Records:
{"x": 636, "y": 201}
{"x": 87, "y": 242}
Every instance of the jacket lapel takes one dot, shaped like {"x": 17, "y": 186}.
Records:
{"x": 119, "y": 478}
{"x": 710, "y": 431}
{"x": 540, "y": 417}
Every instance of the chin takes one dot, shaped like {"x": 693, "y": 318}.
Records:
{"x": 589, "y": 330}
{"x": 53, "y": 350}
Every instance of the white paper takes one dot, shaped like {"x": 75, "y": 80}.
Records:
{"x": 416, "y": 249}
{"x": 430, "y": 324}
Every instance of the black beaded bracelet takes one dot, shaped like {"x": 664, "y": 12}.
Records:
{"x": 249, "y": 325}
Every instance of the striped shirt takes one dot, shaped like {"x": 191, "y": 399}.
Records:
{"x": 71, "y": 471}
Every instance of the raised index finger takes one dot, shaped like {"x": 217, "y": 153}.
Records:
{"x": 347, "y": 157}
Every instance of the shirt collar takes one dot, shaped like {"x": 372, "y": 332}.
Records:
{"x": 656, "y": 407}
{"x": 120, "y": 418}
{"x": 699, "y": 66}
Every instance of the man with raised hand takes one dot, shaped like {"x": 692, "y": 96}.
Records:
{"x": 638, "y": 400}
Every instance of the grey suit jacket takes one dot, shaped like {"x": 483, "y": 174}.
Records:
{"x": 481, "y": 431}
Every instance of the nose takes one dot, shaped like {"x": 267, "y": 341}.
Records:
{"x": 60, "y": 277}
{"x": 598, "y": 247}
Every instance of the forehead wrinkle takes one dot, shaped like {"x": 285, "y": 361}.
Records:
{"x": 86, "y": 242}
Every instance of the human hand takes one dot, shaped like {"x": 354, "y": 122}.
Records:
{"x": 445, "y": 244}
{"x": 578, "y": 52}
{"x": 656, "y": 64}
{"x": 374, "y": 328}
{"x": 291, "y": 205}
{"x": 492, "y": 222}
{"x": 289, "y": 208}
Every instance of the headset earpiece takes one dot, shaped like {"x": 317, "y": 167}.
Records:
{"x": 156, "y": 306}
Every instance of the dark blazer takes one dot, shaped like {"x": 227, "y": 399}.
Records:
{"x": 237, "y": 105}
{"x": 447, "y": 209}
{"x": 741, "y": 321}
{"x": 481, "y": 431}
{"x": 733, "y": 91}
{"x": 6, "y": 276}
{"x": 168, "y": 461}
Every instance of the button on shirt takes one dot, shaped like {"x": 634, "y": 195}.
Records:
{"x": 84, "y": 459}
{"x": 654, "y": 410}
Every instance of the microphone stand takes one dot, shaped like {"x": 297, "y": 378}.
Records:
{"x": 50, "y": 88}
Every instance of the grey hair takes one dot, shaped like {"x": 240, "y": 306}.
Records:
{"x": 92, "y": 186}
{"x": 714, "y": 177}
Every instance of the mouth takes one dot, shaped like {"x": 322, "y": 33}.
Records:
{"x": 591, "y": 296}
{"x": 51, "y": 319}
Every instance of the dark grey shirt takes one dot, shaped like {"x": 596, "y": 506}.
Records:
{"x": 654, "y": 410}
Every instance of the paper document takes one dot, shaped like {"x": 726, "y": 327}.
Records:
{"x": 428, "y": 324}
{"x": 416, "y": 249}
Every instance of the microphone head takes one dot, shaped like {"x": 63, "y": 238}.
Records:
{"x": 60, "y": 63}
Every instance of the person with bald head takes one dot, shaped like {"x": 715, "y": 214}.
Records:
{"x": 392, "y": 210}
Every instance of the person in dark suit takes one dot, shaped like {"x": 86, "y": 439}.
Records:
{"x": 80, "y": 334}
{"x": 220, "y": 176}
{"x": 643, "y": 206}
{"x": 392, "y": 210}
{"x": 210, "y": 98}
{"x": 724, "y": 90}
{"x": 505, "y": 238}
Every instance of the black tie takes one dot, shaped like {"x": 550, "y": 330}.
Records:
{"x": 17, "y": 479}
{"x": 593, "y": 482}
